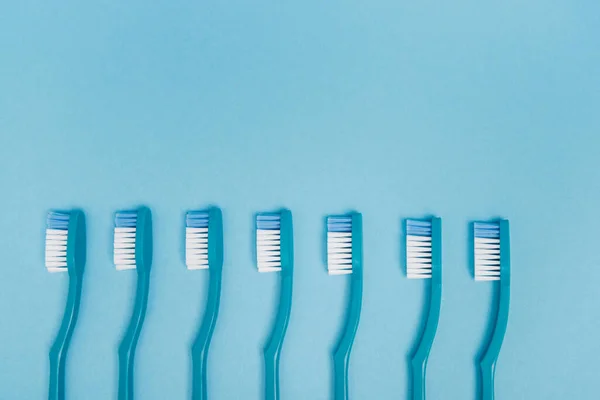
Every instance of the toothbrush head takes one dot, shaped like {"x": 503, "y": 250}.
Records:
{"x": 204, "y": 239}
{"x": 133, "y": 239}
{"x": 419, "y": 249}
{"x": 339, "y": 245}
{"x": 491, "y": 249}
{"x": 344, "y": 244}
{"x": 274, "y": 242}
{"x": 65, "y": 242}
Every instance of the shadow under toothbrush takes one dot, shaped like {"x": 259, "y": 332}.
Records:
{"x": 182, "y": 238}
{"x": 324, "y": 245}
{"x": 402, "y": 252}
{"x": 253, "y": 252}
{"x": 471, "y": 250}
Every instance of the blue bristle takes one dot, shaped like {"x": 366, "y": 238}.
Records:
{"x": 339, "y": 224}
{"x": 57, "y": 220}
{"x": 196, "y": 219}
{"x": 268, "y": 221}
{"x": 486, "y": 230}
{"x": 418, "y": 228}
{"x": 125, "y": 219}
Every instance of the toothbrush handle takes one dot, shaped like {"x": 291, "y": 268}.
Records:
{"x": 272, "y": 350}
{"x": 488, "y": 361}
{"x": 132, "y": 334}
{"x": 419, "y": 359}
{"x": 60, "y": 347}
{"x": 341, "y": 355}
{"x": 202, "y": 341}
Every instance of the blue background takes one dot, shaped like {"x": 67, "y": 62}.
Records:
{"x": 467, "y": 110}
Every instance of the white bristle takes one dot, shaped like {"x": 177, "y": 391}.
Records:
{"x": 418, "y": 249}
{"x": 124, "y": 241}
{"x": 124, "y": 254}
{"x": 56, "y": 242}
{"x": 196, "y": 240}
{"x": 196, "y": 248}
{"x": 268, "y": 250}
{"x": 487, "y": 251}
{"x": 268, "y": 243}
{"x": 339, "y": 245}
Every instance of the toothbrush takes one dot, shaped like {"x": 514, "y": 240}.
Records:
{"x": 133, "y": 250}
{"x": 275, "y": 253}
{"x": 65, "y": 252}
{"x": 424, "y": 261}
{"x": 204, "y": 250}
{"x": 492, "y": 263}
{"x": 344, "y": 256}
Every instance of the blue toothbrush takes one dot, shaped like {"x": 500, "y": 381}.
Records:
{"x": 424, "y": 261}
{"x": 133, "y": 250}
{"x": 344, "y": 256}
{"x": 492, "y": 263}
{"x": 65, "y": 252}
{"x": 275, "y": 253}
{"x": 204, "y": 250}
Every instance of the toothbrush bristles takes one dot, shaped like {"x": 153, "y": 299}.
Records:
{"x": 487, "y": 251}
{"x": 57, "y": 225}
{"x": 124, "y": 241}
{"x": 196, "y": 240}
{"x": 418, "y": 249}
{"x": 268, "y": 242}
{"x": 339, "y": 245}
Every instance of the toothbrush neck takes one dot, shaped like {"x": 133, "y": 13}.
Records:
{"x": 357, "y": 273}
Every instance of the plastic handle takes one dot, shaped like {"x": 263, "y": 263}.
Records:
{"x": 341, "y": 355}
{"x": 130, "y": 340}
{"x": 60, "y": 347}
{"x": 272, "y": 350}
{"x": 488, "y": 361}
{"x": 419, "y": 359}
{"x": 202, "y": 342}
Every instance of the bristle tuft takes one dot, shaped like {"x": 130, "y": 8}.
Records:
{"x": 268, "y": 242}
{"x": 487, "y": 251}
{"x": 57, "y": 225}
{"x": 339, "y": 245}
{"x": 196, "y": 240}
{"x": 418, "y": 249}
{"x": 124, "y": 241}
